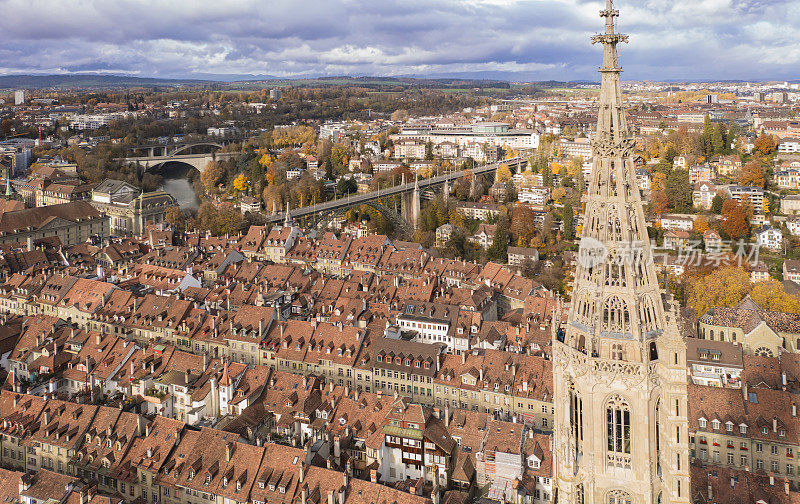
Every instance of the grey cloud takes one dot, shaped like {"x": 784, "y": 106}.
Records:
{"x": 525, "y": 39}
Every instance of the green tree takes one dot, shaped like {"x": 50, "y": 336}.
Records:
{"x": 719, "y": 139}
{"x": 547, "y": 175}
{"x": 567, "y": 216}
{"x": 429, "y": 151}
{"x": 716, "y": 203}
{"x": 679, "y": 190}
{"x": 499, "y": 249}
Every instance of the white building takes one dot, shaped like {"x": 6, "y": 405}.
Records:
{"x": 19, "y": 97}
{"x": 769, "y": 237}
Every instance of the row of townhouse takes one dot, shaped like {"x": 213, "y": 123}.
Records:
{"x": 164, "y": 460}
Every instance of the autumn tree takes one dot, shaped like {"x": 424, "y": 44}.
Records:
{"x": 174, "y": 216}
{"x": 701, "y": 224}
{"x": 770, "y": 295}
{"x": 240, "y": 183}
{"x": 503, "y": 174}
{"x": 736, "y": 219}
{"x": 766, "y": 144}
{"x": 752, "y": 174}
{"x": 722, "y": 287}
{"x": 212, "y": 176}
{"x": 658, "y": 194}
{"x": 523, "y": 225}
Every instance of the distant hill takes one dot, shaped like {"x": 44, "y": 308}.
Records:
{"x": 88, "y": 81}
{"x": 92, "y": 81}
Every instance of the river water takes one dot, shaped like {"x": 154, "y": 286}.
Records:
{"x": 176, "y": 183}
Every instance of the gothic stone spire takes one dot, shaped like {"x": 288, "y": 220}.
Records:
{"x": 612, "y": 391}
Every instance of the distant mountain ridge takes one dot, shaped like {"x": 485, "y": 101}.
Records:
{"x": 88, "y": 80}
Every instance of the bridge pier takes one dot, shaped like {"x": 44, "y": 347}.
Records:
{"x": 410, "y": 206}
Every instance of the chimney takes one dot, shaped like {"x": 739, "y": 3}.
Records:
{"x": 98, "y": 338}
{"x": 794, "y": 409}
{"x": 150, "y": 452}
{"x": 373, "y": 475}
{"x": 260, "y": 328}
{"x": 228, "y": 451}
{"x": 302, "y": 471}
{"x": 187, "y": 377}
{"x": 341, "y": 495}
{"x": 783, "y": 379}
{"x": 463, "y": 358}
{"x": 774, "y": 424}
{"x": 771, "y": 479}
{"x": 304, "y": 495}
{"x": 330, "y": 497}
{"x": 710, "y": 493}
{"x": 786, "y": 487}
{"x": 447, "y": 414}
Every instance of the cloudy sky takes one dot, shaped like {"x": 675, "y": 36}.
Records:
{"x": 510, "y": 39}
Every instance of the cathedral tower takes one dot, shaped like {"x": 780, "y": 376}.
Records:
{"x": 620, "y": 363}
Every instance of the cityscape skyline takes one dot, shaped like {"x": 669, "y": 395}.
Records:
{"x": 496, "y": 39}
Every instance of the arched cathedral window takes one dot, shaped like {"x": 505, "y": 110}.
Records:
{"x": 616, "y": 317}
{"x": 618, "y": 431}
{"x": 619, "y": 497}
{"x": 576, "y": 418}
{"x": 616, "y": 351}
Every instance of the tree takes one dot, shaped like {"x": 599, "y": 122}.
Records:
{"x": 346, "y": 186}
{"x": 503, "y": 174}
{"x": 240, "y": 183}
{"x": 770, "y": 295}
{"x": 736, "y": 219}
{"x": 429, "y": 151}
{"x": 766, "y": 144}
{"x": 679, "y": 190}
{"x": 658, "y": 194}
{"x": 175, "y": 217}
{"x": 547, "y": 175}
{"x": 399, "y": 115}
{"x": 706, "y": 137}
{"x": 212, "y": 176}
{"x": 723, "y": 287}
{"x": 523, "y": 225}
{"x": 752, "y": 174}
{"x": 580, "y": 183}
{"x": 719, "y": 139}
{"x": 567, "y": 216}
{"x": 716, "y": 203}
{"x": 499, "y": 249}
{"x": 701, "y": 224}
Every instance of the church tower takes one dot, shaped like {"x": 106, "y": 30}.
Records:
{"x": 621, "y": 434}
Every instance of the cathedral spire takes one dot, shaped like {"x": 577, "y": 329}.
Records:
{"x": 619, "y": 363}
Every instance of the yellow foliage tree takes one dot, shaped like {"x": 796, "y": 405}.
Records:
{"x": 723, "y": 287}
{"x": 770, "y": 295}
{"x": 240, "y": 183}
{"x": 266, "y": 160}
{"x": 503, "y": 173}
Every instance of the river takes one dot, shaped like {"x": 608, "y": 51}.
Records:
{"x": 176, "y": 183}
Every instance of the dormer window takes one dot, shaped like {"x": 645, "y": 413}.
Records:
{"x": 729, "y": 426}
{"x": 208, "y": 479}
{"x": 703, "y": 423}
{"x": 782, "y": 433}
{"x": 715, "y": 424}
{"x": 427, "y": 365}
{"x": 742, "y": 429}
{"x": 238, "y": 485}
